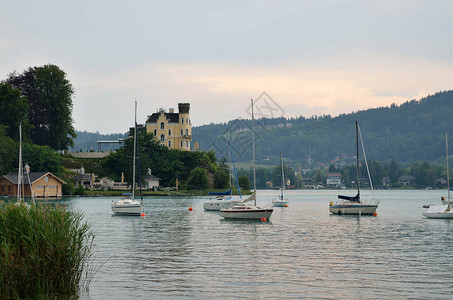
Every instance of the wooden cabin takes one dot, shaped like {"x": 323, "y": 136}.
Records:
{"x": 43, "y": 184}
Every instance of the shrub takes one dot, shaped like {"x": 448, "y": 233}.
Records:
{"x": 44, "y": 251}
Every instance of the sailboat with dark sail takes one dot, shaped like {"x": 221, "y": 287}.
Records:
{"x": 354, "y": 205}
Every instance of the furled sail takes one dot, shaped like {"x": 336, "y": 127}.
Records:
{"x": 356, "y": 198}
{"x": 221, "y": 193}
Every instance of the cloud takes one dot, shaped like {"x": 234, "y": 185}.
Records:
{"x": 221, "y": 92}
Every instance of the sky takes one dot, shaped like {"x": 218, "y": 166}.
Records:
{"x": 303, "y": 57}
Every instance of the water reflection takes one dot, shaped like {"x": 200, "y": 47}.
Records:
{"x": 303, "y": 252}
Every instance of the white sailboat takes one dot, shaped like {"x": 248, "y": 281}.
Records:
{"x": 226, "y": 199}
{"x": 245, "y": 210}
{"x": 20, "y": 176}
{"x": 353, "y": 205}
{"x": 448, "y": 200}
{"x": 281, "y": 201}
{"x": 444, "y": 211}
{"x": 127, "y": 205}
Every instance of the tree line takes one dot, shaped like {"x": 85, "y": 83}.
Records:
{"x": 412, "y": 131}
{"x": 383, "y": 175}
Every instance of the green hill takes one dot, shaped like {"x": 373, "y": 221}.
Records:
{"x": 412, "y": 131}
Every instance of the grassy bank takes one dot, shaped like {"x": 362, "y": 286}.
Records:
{"x": 44, "y": 251}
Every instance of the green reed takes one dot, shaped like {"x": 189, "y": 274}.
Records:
{"x": 44, "y": 251}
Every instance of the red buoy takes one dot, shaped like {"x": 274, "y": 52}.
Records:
{"x": 190, "y": 208}
{"x": 263, "y": 219}
{"x": 374, "y": 214}
{"x": 286, "y": 205}
{"x": 143, "y": 214}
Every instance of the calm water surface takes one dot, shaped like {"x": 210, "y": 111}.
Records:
{"x": 303, "y": 252}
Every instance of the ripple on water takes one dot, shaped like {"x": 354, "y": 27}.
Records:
{"x": 303, "y": 252}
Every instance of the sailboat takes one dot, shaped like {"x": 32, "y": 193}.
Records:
{"x": 353, "y": 205}
{"x": 225, "y": 199}
{"x": 20, "y": 176}
{"x": 281, "y": 201}
{"x": 444, "y": 211}
{"x": 448, "y": 200}
{"x": 127, "y": 205}
{"x": 246, "y": 210}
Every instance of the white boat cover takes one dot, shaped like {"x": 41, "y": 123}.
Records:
{"x": 435, "y": 209}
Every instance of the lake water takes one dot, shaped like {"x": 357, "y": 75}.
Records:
{"x": 303, "y": 252}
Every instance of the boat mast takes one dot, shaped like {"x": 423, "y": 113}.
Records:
{"x": 283, "y": 175}
{"x": 133, "y": 158}
{"x": 20, "y": 172}
{"x": 229, "y": 162}
{"x": 138, "y": 157}
{"x": 357, "y": 151}
{"x": 253, "y": 150}
{"x": 448, "y": 174}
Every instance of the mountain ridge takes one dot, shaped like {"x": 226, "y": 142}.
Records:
{"x": 412, "y": 131}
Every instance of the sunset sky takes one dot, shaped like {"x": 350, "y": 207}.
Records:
{"x": 310, "y": 57}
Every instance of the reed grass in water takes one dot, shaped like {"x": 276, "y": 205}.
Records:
{"x": 44, "y": 251}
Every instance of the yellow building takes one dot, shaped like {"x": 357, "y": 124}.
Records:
{"x": 172, "y": 129}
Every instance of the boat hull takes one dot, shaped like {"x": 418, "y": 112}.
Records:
{"x": 217, "y": 205}
{"x": 353, "y": 209}
{"x": 280, "y": 203}
{"x": 445, "y": 215}
{"x": 127, "y": 209}
{"x": 255, "y": 214}
{"x": 439, "y": 212}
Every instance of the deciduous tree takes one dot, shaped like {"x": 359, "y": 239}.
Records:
{"x": 49, "y": 95}
{"x": 13, "y": 108}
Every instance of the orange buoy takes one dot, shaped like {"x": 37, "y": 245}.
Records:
{"x": 190, "y": 208}
{"x": 142, "y": 215}
{"x": 374, "y": 214}
{"x": 286, "y": 205}
{"x": 263, "y": 219}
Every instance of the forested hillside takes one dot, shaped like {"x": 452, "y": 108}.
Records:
{"x": 411, "y": 131}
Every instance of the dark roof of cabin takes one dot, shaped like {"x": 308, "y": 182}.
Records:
{"x": 151, "y": 177}
{"x": 172, "y": 117}
{"x": 83, "y": 177}
{"x": 34, "y": 176}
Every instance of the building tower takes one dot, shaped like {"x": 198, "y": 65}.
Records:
{"x": 171, "y": 129}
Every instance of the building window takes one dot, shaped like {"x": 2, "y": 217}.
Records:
{"x": 182, "y": 120}
{"x": 187, "y": 120}
{"x": 187, "y": 131}
{"x": 182, "y": 133}
{"x": 155, "y": 132}
{"x": 169, "y": 132}
{"x": 162, "y": 125}
{"x": 187, "y": 144}
{"x": 162, "y": 138}
{"x": 169, "y": 144}
{"x": 182, "y": 144}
